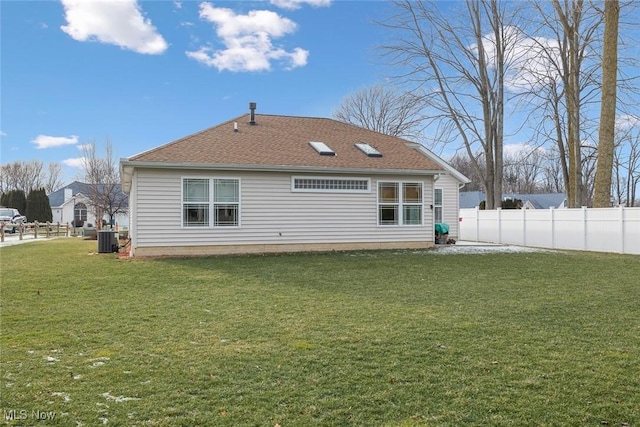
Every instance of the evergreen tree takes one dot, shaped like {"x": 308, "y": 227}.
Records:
{"x": 38, "y": 206}
{"x": 14, "y": 199}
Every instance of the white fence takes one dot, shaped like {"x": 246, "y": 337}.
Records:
{"x": 587, "y": 229}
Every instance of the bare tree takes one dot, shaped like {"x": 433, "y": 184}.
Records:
{"x": 626, "y": 164}
{"x": 53, "y": 179}
{"x": 588, "y": 173}
{"x": 608, "y": 105}
{"x": 633, "y": 173}
{"x": 463, "y": 164}
{"x": 570, "y": 18}
{"x": 30, "y": 175}
{"x": 561, "y": 81}
{"x": 458, "y": 64}
{"x": 384, "y": 109}
{"x": 552, "y": 174}
{"x": 523, "y": 170}
{"x": 564, "y": 76}
{"x": 102, "y": 176}
{"x": 22, "y": 175}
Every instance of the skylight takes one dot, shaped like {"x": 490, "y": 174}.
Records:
{"x": 322, "y": 148}
{"x": 368, "y": 150}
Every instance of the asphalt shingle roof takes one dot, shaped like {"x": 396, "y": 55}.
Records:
{"x": 57, "y": 197}
{"x": 284, "y": 141}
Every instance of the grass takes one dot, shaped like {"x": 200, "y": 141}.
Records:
{"x": 381, "y": 338}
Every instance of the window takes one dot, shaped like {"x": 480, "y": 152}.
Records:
{"x": 80, "y": 213}
{"x": 437, "y": 205}
{"x": 412, "y": 204}
{"x": 208, "y": 201}
{"x": 399, "y": 203}
{"x": 322, "y": 148}
{"x": 195, "y": 206}
{"x": 368, "y": 150}
{"x": 330, "y": 184}
{"x": 388, "y": 203}
{"x": 226, "y": 202}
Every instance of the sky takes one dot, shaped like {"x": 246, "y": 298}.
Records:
{"x": 143, "y": 73}
{"x": 140, "y": 74}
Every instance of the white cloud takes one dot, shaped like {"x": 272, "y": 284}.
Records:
{"x": 248, "y": 40}
{"x": 76, "y": 162}
{"x": 528, "y": 58}
{"x": 117, "y": 22}
{"x": 45, "y": 141}
{"x": 83, "y": 147}
{"x": 297, "y": 4}
{"x": 521, "y": 149}
{"x": 627, "y": 121}
{"x": 2, "y": 133}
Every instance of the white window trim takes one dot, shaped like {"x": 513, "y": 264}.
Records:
{"x": 400, "y": 204}
{"x": 211, "y": 203}
{"x": 329, "y": 178}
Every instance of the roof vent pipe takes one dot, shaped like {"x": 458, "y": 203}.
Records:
{"x": 252, "y": 108}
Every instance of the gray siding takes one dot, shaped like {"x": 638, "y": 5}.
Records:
{"x": 133, "y": 210}
{"x": 450, "y": 202}
{"x": 271, "y": 213}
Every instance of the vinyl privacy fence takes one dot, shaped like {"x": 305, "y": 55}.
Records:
{"x": 586, "y": 229}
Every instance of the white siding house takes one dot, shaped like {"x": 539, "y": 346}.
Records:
{"x": 72, "y": 203}
{"x": 450, "y": 186}
{"x": 262, "y": 187}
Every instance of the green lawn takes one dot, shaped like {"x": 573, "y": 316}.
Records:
{"x": 380, "y": 338}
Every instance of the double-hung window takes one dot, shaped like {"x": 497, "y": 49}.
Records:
{"x": 226, "y": 202}
{"x": 437, "y": 205}
{"x": 210, "y": 202}
{"x": 412, "y": 203}
{"x": 195, "y": 202}
{"x": 400, "y": 203}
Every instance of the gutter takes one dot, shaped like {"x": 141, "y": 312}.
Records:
{"x": 127, "y": 167}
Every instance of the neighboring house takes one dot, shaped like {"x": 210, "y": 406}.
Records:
{"x": 270, "y": 183}
{"x": 73, "y": 202}
{"x": 472, "y": 199}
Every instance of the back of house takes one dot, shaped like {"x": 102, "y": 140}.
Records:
{"x": 272, "y": 183}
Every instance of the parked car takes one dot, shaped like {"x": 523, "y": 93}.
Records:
{"x": 11, "y": 219}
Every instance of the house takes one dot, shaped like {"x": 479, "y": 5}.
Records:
{"x": 273, "y": 183}
{"x": 472, "y": 199}
{"x": 72, "y": 204}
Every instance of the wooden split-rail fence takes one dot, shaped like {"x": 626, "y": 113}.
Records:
{"x": 35, "y": 229}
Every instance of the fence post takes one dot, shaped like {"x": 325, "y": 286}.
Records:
{"x": 2, "y": 232}
{"x": 585, "y": 229}
{"x": 622, "y": 229}
{"x": 499, "y": 225}
{"x": 36, "y": 226}
{"x": 20, "y": 230}
{"x": 553, "y": 227}
{"x": 477, "y": 224}
{"x": 524, "y": 227}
